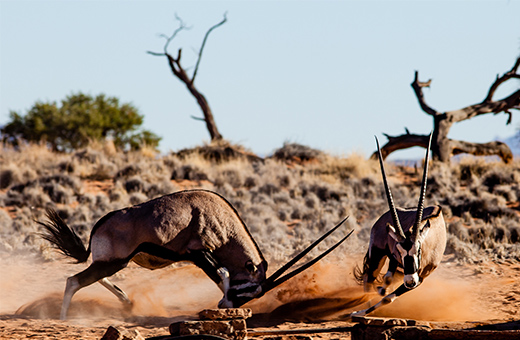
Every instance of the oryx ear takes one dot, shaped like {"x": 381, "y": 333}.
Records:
{"x": 391, "y": 231}
{"x": 424, "y": 231}
{"x": 250, "y": 267}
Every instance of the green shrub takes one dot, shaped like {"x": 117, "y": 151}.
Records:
{"x": 79, "y": 120}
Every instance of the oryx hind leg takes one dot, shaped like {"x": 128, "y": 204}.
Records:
{"x": 95, "y": 272}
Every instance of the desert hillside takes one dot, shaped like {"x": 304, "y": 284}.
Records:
{"x": 287, "y": 200}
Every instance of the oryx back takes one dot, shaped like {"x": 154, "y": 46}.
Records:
{"x": 181, "y": 222}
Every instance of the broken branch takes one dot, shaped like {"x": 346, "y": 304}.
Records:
{"x": 417, "y": 87}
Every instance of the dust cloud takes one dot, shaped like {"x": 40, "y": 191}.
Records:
{"x": 326, "y": 291}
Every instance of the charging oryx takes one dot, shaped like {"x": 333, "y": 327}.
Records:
{"x": 194, "y": 225}
{"x": 412, "y": 239}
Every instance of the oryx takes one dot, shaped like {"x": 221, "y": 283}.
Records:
{"x": 193, "y": 225}
{"x": 413, "y": 240}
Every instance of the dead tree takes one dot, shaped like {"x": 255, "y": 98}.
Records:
{"x": 182, "y": 75}
{"x": 443, "y": 147}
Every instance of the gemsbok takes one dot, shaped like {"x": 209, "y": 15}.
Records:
{"x": 199, "y": 226}
{"x": 413, "y": 240}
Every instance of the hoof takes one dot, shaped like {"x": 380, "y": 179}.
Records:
{"x": 128, "y": 305}
{"x": 360, "y": 313}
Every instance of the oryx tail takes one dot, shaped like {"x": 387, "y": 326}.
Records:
{"x": 63, "y": 238}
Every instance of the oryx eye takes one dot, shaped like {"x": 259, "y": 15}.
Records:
{"x": 250, "y": 266}
{"x": 401, "y": 249}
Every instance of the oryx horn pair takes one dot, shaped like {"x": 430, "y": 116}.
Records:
{"x": 420, "y": 207}
{"x": 277, "y": 279}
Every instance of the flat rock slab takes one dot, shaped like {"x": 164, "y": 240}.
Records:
{"x": 114, "y": 333}
{"x": 384, "y": 322}
{"x": 225, "y": 314}
{"x": 232, "y": 329}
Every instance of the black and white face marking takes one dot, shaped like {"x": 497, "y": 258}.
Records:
{"x": 242, "y": 292}
{"x": 410, "y": 253}
{"x": 239, "y": 293}
{"x": 246, "y": 287}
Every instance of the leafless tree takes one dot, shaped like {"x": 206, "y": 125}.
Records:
{"x": 443, "y": 147}
{"x": 180, "y": 72}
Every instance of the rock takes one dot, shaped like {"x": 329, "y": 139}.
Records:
{"x": 232, "y": 329}
{"x": 363, "y": 332}
{"x": 225, "y": 314}
{"x": 113, "y": 333}
{"x": 370, "y": 321}
{"x": 288, "y": 337}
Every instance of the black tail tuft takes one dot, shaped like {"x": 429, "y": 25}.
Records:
{"x": 63, "y": 238}
{"x": 359, "y": 273}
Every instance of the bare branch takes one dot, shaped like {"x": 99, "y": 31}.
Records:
{"x": 510, "y": 102}
{"x": 500, "y": 80}
{"x": 483, "y": 149}
{"x": 456, "y": 147}
{"x": 157, "y": 54}
{"x": 204, "y": 44}
{"x": 181, "y": 27}
{"x": 198, "y": 118}
{"x": 405, "y": 141}
{"x": 417, "y": 87}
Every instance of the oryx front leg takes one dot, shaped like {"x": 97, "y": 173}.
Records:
{"x": 384, "y": 301}
{"x": 374, "y": 261}
{"x": 121, "y": 295}
{"x": 224, "y": 287}
{"x": 224, "y": 277}
{"x": 220, "y": 275}
{"x": 389, "y": 277}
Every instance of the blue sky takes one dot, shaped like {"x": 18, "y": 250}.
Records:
{"x": 327, "y": 74}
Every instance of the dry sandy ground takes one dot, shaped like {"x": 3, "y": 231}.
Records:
{"x": 31, "y": 289}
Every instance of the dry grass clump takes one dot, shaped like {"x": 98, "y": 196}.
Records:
{"x": 294, "y": 152}
{"x": 218, "y": 152}
{"x": 287, "y": 200}
{"x": 480, "y": 200}
{"x": 342, "y": 168}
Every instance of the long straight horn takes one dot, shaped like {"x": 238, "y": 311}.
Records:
{"x": 289, "y": 264}
{"x": 272, "y": 284}
{"x": 389, "y": 197}
{"x": 420, "y": 205}
{"x": 275, "y": 279}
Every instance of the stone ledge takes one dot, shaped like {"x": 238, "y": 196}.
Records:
{"x": 232, "y": 329}
{"x": 385, "y": 322}
{"x": 225, "y": 314}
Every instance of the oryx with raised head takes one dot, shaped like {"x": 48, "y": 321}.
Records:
{"x": 193, "y": 225}
{"x": 413, "y": 240}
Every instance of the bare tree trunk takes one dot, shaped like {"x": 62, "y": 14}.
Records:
{"x": 180, "y": 73}
{"x": 443, "y": 147}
